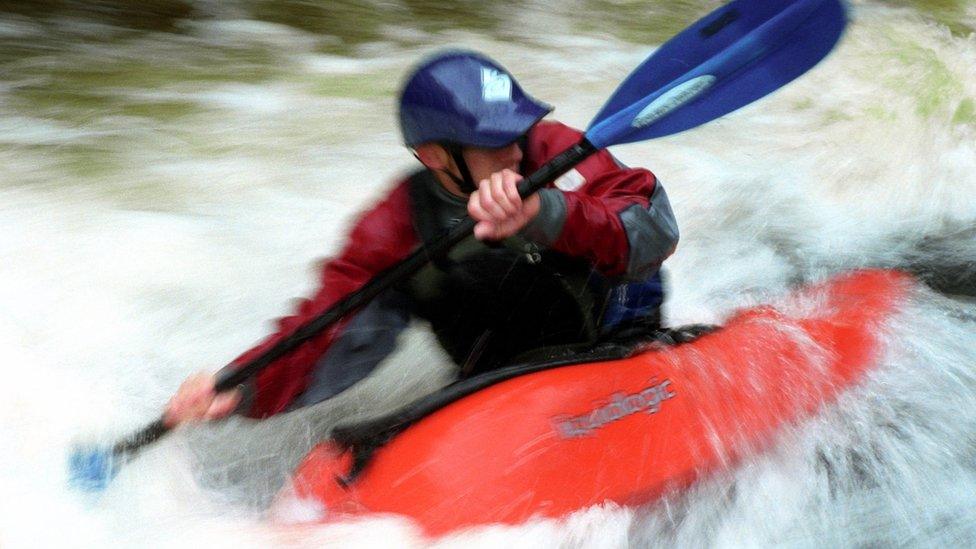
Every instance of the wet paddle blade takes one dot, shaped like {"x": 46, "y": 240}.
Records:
{"x": 730, "y": 58}
{"x": 91, "y": 469}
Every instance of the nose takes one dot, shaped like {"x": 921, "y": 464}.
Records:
{"x": 514, "y": 152}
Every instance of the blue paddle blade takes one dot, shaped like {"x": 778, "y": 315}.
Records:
{"x": 91, "y": 469}
{"x": 728, "y": 59}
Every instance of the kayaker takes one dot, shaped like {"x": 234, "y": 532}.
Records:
{"x": 572, "y": 264}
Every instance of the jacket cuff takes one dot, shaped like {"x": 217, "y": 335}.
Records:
{"x": 547, "y": 225}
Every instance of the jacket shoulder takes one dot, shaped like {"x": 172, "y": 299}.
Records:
{"x": 547, "y": 139}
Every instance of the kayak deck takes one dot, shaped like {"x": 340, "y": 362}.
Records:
{"x": 624, "y": 429}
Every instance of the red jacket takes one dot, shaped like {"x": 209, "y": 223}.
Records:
{"x": 595, "y": 193}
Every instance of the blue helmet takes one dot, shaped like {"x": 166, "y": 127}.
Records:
{"x": 464, "y": 98}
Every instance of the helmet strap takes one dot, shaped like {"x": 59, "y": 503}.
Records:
{"x": 465, "y": 182}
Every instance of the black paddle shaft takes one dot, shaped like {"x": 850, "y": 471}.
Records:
{"x": 230, "y": 377}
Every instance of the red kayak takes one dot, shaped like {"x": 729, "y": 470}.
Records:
{"x": 551, "y": 438}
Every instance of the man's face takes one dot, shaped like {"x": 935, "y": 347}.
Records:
{"x": 484, "y": 162}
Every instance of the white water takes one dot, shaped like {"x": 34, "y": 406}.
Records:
{"x": 115, "y": 286}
